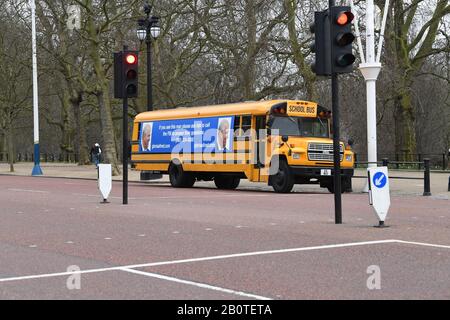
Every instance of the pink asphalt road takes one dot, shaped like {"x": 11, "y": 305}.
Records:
{"x": 204, "y": 243}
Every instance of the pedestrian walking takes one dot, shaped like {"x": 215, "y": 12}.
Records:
{"x": 96, "y": 152}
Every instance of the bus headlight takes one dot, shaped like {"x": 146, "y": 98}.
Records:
{"x": 348, "y": 157}
{"x": 296, "y": 156}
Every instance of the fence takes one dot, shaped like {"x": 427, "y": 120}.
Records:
{"x": 45, "y": 157}
{"x": 438, "y": 161}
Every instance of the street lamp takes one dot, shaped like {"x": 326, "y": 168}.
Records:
{"x": 148, "y": 30}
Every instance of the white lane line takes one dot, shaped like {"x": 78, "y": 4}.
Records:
{"x": 424, "y": 244}
{"x": 196, "y": 284}
{"x": 211, "y": 258}
{"x": 25, "y": 190}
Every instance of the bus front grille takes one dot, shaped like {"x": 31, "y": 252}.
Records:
{"x": 322, "y": 152}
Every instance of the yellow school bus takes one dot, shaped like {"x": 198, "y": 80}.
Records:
{"x": 278, "y": 142}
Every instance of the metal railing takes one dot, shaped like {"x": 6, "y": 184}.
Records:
{"x": 438, "y": 161}
{"x": 45, "y": 157}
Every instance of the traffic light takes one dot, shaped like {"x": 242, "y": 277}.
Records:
{"x": 321, "y": 45}
{"x": 131, "y": 73}
{"x": 342, "y": 38}
{"x": 126, "y": 65}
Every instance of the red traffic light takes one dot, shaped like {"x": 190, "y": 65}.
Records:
{"x": 131, "y": 58}
{"x": 344, "y": 18}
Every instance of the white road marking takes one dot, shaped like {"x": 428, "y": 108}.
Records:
{"x": 222, "y": 257}
{"x": 196, "y": 284}
{"x": 424, "y": 244}
{"x": 211, "y": 258}
{"x": 25, "y": 190}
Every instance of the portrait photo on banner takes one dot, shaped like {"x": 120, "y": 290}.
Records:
{"x": 224, "y": 135}
{"x": 146, "y": 137}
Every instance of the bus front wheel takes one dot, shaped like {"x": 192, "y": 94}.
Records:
{"x": 283, "y": 180}
{"x": 227, "y": 183}
{"x": 180, "y": 178}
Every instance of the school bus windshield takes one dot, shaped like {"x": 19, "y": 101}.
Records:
{"x": 302, "y": 127}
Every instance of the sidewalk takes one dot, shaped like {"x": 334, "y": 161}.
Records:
{"x": 63, "y": 170}
{"x": 439, "y": 180}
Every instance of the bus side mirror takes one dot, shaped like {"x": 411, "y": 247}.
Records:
{"x": 284, "y": 139}
{"x": 270, "y": 122}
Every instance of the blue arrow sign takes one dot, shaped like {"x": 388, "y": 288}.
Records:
{"x": 379, "y": 180}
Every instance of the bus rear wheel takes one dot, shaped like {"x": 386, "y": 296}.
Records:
{"x": 283, "y": 180}
{"x": 180, "y": 178}
{"x": 227, "y": 183}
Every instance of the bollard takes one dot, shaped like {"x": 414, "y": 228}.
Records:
{"x": 448, "y": 183}
{"x": 426, "y": 178}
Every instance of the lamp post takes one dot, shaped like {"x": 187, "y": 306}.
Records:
{"x": 37, "y": 171}
{"x": 148, "y": 30}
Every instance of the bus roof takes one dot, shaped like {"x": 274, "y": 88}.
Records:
{"x": 241, "y": 108}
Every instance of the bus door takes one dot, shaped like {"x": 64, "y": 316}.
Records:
{"x": 260, "y": 148}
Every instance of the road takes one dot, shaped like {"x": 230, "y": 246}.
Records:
{"x": 204, "y": 243}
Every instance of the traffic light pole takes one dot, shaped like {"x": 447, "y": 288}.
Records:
{"x": 125, "y": 143}
{"x": 336, "y": 149}
{"x": 125, "y": 151}
{"x": 336, "y": 134}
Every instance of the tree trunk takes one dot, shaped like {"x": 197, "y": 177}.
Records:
{"x": 67, "y": 127}
{"x": 249, "y": 66}
{"x": 409, "y": 51}
{"x": 81, "y": 144}
{"x": 11, "y": 157}
{"x": 109, "y": 145}
{"x": 304, "y": 69}
{"x": 405, "y": 134}
{"x": 107, "y": 127}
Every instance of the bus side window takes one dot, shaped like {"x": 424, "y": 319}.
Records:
{"x": 237, "y": 126}
{"x": 246, "y": 125}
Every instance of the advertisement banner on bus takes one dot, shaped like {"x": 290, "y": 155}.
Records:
{"x": 187, "y": 135}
